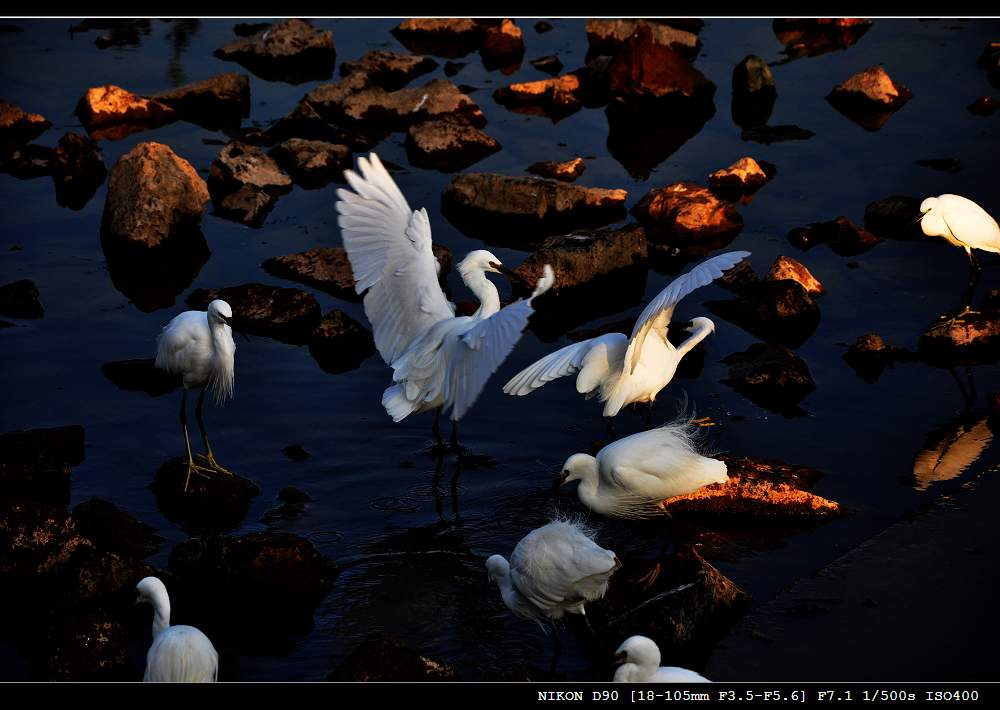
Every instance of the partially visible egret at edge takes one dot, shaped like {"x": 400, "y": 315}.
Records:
{"x": 439, "y": 361}
{"x": 961, "y": 222}
{"x": 621, "y": 370}
{"x": 199, "y": 346}
{"x": 179, "y": 654}
{"x": 640, "y": 659}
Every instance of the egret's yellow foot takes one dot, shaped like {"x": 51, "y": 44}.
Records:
{"x": 647, "y": 579}
{"x": 214, "y": 465}
{"x": 958, "y": 318}
{"x": 194, "y": 468}
{"x": 704, "y": 421}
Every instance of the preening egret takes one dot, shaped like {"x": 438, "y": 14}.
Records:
{"x": 965, "y": 224}
{"x": 439, "y": 361}
{"x": 640, "y": 659}
{"x": 179, "y": 654}
{"x": 199, "y": 346}
{"x": 619, "y": 369}
{"x": 631, "y": 476}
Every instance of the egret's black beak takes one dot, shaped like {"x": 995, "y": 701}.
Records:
{"x": 556, "y": 483}
{"x": 620, "y": 658}
{"x": 916, "y": 220}
{"x": 512, "y": 275}
{"x": 229, "y": 322}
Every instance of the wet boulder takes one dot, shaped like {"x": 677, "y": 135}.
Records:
{"x": 110, "y": 112}
{"x": 785, "y": 267}
{"x": 555, "y": 98}
{"x": 521, "y": 208}
{"x": 609, "y": 36}
{"x": 894, "y": 217}
{"x": 88, "y": 646}
{"x": 276, "y": 578}
{"x": 390, "y": 70}
{"x": 776, "y": 134}
{"x": 35, "y": 464}
{"x": 27, "y": 162}
{"x": 984, "y": 106}
{"x": 245, "y": 182}
{"x": 384, "y": 658}
{"x": 843, "y": 236}
{"x": 305, "y": 122}
{"x": 114, "y": 530}
{"x": 441, "y": 37}
{"x": 739, "y": 279}
{"x": 312, "y": 164}
{"x": 292, "y": 51}
{"x": 213, "y": 502}
{"x": 781, "y": 311}
{"x": 340, "y": 343}
{"x": 359, "y": 103}
{"x": 215, "y": 102}
{"x": 754, "y": 93}
{"x": 448, "y": 144}
{"x": 550, "y": 64}
{"x": 869, "y": 356}
{"x": 19, "y": 299}
{"x": 286, "y": 314}
{"x": 36, "y": 541}
{"x": 743, "y": 177}
{"x": 869, "y": 97}
{"x": 77, "y": 170}
{"x": 567, "y": 171}
{"x": 645, "y": 73}
{"x": 771, "y": 376}
{"x": 813, "y": 36}
{"x": 972, "y": 339}
{"x": 325, "y": 268}
{"x": 18, "y": 127}
{"x": 502, "y": 47}
{"x": 685, "y": 213}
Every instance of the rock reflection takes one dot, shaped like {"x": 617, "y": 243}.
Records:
{"x": 811, "y": 37}
{"x": 951, "y": 449}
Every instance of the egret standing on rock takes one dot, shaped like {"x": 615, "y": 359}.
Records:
{"x": 199, "y": 346}
{"x": 439, "y": 361}
{"x": 965, "y": 224}
{"x": 622, "y": 370}
{"x": 179, "y": 654}
{"x": 640, "y": 659}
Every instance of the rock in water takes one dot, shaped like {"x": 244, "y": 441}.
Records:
{"x": 19, "y": 299}
{"x": 567, "y": 171}
{"x": 869, "y": 98}
{"x": 785, "y": 267}
{"x": 894, "y": 218}
{"x": 390, "y": 70}
{"x": 312, "y": 164}
{"x": 77, "y": 170}
{"x": 448, "y": 144}
{"x": 743, "y": 177}
{"x": 215, "y": 102}
{"x": 292, "y": 51}
{"x": 753, "y": 92}
{"x": 869, "y": 356}
{"x": 115, "y": 530}
{"x": 384, "y": 658}
{"x": 18, "y": 127}
{"x": 245, "y": 182}
{"x": 340, "y": 343}
{"x": 771, "y": 376}
{"x": 110, "y": 112}
{"x": 685, "y": 213}
{"x": 35, "y": 464}
{"x": 286, "y": 314}
{"x": 972, "y": 339}
{"x": 212, "y": 503}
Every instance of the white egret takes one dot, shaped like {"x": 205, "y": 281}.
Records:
{"x": 440, "y": 361}
{"x": 961, "y": 222}
{"x": 199, "y": 346}
{"x": 619, "y": 369}
{"x": 179, "y": 654}
{"x": 630, "y": 477}
{"x": 640, "y": 659}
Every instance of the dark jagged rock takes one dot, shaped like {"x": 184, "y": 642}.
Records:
{"x": 644, "y": 72}
{"x": 972, "y": 339}
{"x": 326, "y": 268}
{"x": 140, "y": 376}
{"x": 35, "y": 464}
{"x": 453, "y": 68}
{"x": 296, "y": 453}
{"x": 894, "y": 218}
{"x": 685, "y": 213}
{"x": 567, "y": 171}
{"x": 541, "y": 27}
{"x": 340, "y": 343}
{"x": 292, "y": 51}
{"x": 811, "y": 37}
{"x": 110, "y": 112}
{"x": 441, "y": 37}
{"x": 549, "y": 64}
{"x": 502, "y": 47}
{"x": 785, "y": 267}
{"x": 984, "y": 106}
{"x": 775, "y": 134}
{"x": 384, "y": 658}
{"x": 869, "y": 97}
{"x": 781, "y": 311}
{"x": 609, "y": 36}
{"x": 753, "y": 92}
{"x": 390, "y": 70}
{"x": 526, "y": 206}
{"x": 739, "y": 279}
{"x": 312, "y": 164}
{"x": 19, "y": 299}
{"x": 286, "y": 314}
{"x": 28, "y": 162}
{"x": 245, "y": 182}
{"x": 743, "y": 177}
{"x": 276, "y": 578}
{"x": 213, "y": 502}
{"x": 77, "y": 170}
{"x": 114, "y": 530}
{"x": 869, "y": 356}
{"x": 843, "y": 236}
{"x": 88, "y": 646}
{"x": 305, "y": 122}
{"x": 771, "y": 376}
{"x": 218, "y": 101}
{"x": 18, "y": 127}
{"x": 948, "y": 165}
{"x": 448, "y": 144}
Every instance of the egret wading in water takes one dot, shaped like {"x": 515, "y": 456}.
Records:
{"x": 554, "y": 570}
{"x": 199, "y": 346}
{"x": 621, "y": 370}
{"x": 631, "y": 477}
{"x": 640, "y": 659}
{"x": 961, "y": 222}
{"x": 439, "y": 361}
{"x": 179, "y": 654}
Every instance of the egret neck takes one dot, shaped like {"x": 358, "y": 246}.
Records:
{"x": 701, "y": 331}
{"x": 484, "y": 290}
{"x": 161, "y": 611}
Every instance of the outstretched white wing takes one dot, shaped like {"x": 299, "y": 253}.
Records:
{"x": 483, "y": 348}
{"x": 389, "y": 247}
{"x": 563, "y": 362}
{"x": 659, "y": 311}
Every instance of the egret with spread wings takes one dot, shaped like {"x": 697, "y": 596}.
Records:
{"x": 619, "y": 369}
{"x": 439, "y": 361}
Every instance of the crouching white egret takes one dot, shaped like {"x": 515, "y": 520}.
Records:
{"x": 179, "y": 654}
{"x": 439, "y": 361}
{"x": 630, "y": 477}
{"x": 199, "y": 346}
{"x": 640, "y": 659}
{"x": 961, "y": 222}
{"x": 619, "y": 369}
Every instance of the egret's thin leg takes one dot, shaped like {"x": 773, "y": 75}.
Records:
{"x": 192, "y": 466}
{"x": 454, "y": 436}
{"x": 436, "y": 428}
{"x": 209, "y": 456}
{"x": 590, "y": 628}
{"x": 557, "y": 644}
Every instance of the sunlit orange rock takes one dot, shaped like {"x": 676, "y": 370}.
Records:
{"x": 17, "y": 126}
{"x": 608, "y": 36}
{"x": 744, "y": 176}
{"x": 503, "y": 46}
{"x": 645, "y": 70}
{"x": 567, "y": 171}
{"x": 107, "y": 106}
{"x": 785, "y": 267}
{"x": 688, "y": 212}
{"x": 559, "y": 96}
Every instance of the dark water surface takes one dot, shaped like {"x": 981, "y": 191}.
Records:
{"x": 413, "y": 540}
